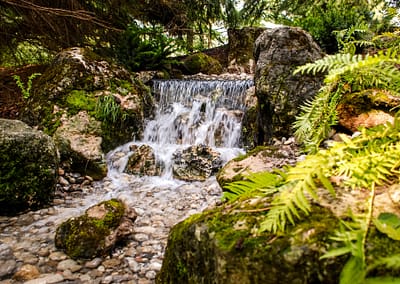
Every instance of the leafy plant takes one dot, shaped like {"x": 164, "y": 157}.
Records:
{"x": 346, "y": 74}
{"x": 145, "y": 48}
{"x": 262, "y": 181}
{"x": 26, "y": 91}
{"x": 109, "y": 111}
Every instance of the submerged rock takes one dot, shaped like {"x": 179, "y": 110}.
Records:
{"x": 278, "y": 52}
{"x": 96, "y": 232}
{"x": 28, "y": 167}
{"x": 142, "y": 161}
{"x": 196, "y": 163}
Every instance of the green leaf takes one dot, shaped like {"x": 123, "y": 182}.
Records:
{"x": 389, "y": 224}
{"x": 353, "y": 271}
{"x": 336, "y": 252}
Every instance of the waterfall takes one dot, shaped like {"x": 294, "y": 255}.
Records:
{"x": 195, "y": 112}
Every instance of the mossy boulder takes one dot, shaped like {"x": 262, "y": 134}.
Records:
{"x": 79, "y": 81}
{"x": 225, "y": 245}
{"x": 280, "y": 93}
{"x": 28, "y": 167}
{"x": 96, "y": 232}
{"x": 201, "y": 63}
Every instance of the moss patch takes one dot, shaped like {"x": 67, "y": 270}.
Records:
{"x": 78, "y": 100}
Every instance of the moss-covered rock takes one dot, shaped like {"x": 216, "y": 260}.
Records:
{"x": 367, "y": 108}
{"x": 28, "y": 167}
{"x": 240, "y": 48}
{"x": 223, "y": 246}
{"x": 97, "y": 231}
{"x": 79, "y": 81}
{"x": 201, "y": 63}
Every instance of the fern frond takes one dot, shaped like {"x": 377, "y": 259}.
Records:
{"x": 261, "y": 181}
{"x": 302, "y": 183}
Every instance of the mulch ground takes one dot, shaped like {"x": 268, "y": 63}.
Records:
{"x": 11, "y": 101}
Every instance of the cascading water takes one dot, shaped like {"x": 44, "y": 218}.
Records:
{"x": 194, "y": 112}
{"x": 188, "y": 112}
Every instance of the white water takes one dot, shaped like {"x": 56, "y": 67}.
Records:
{"x": 191, "y": 112}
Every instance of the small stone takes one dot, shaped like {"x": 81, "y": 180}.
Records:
{"x": 107, "y": 280}
{"x": 133, "y": 265}
{"x": 57, "y": 256}
{"x": 27, "y": 272}
{"x": 94, "y": 263}
{"x": 69, "y": 264}
{"x": 47, "y": 278}
{"x": 151, "y": 274}
{"x": 7, "y": 267}
{"x": 141, "y": 237}
{"x": 111, "y": 263}
{"x": 61, "y": 172}
{"x": 156, "y": 266}
{"x": 86, "y": 278}
{"x": 63, "y": 181}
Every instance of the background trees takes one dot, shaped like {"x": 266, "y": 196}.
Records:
{"x": 55, "y": 24}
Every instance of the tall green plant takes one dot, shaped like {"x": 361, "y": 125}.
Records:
{"x": 26, "y": 90}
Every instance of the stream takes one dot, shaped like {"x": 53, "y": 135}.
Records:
{"x": 189, "y": 112}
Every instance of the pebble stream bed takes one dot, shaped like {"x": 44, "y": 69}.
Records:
{"x": 28, "y": 254}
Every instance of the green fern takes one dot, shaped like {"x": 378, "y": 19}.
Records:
{"x": 346, "y": 74}
{"x": 262, "y": 181}
{"x": 302, "y": 183}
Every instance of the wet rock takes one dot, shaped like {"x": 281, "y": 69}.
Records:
{"x": 196, "y": 163}
{"x": 278, "y": 52}
{"x": 28, "y": 167}
{"x": 97, "y": 231}
{"x": 142, "y": 161}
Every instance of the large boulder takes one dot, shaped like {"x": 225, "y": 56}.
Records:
{"x": 28, "y": 167}
{"x": 278, "y": 52}
{"x": 81, "y": 85}
{"x": 225, "y": 245}
{"x": 96, "y": 232}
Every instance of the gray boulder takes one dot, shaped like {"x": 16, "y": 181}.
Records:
{"x": 28, "y": 167}
{"x": 278, "y": 52}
